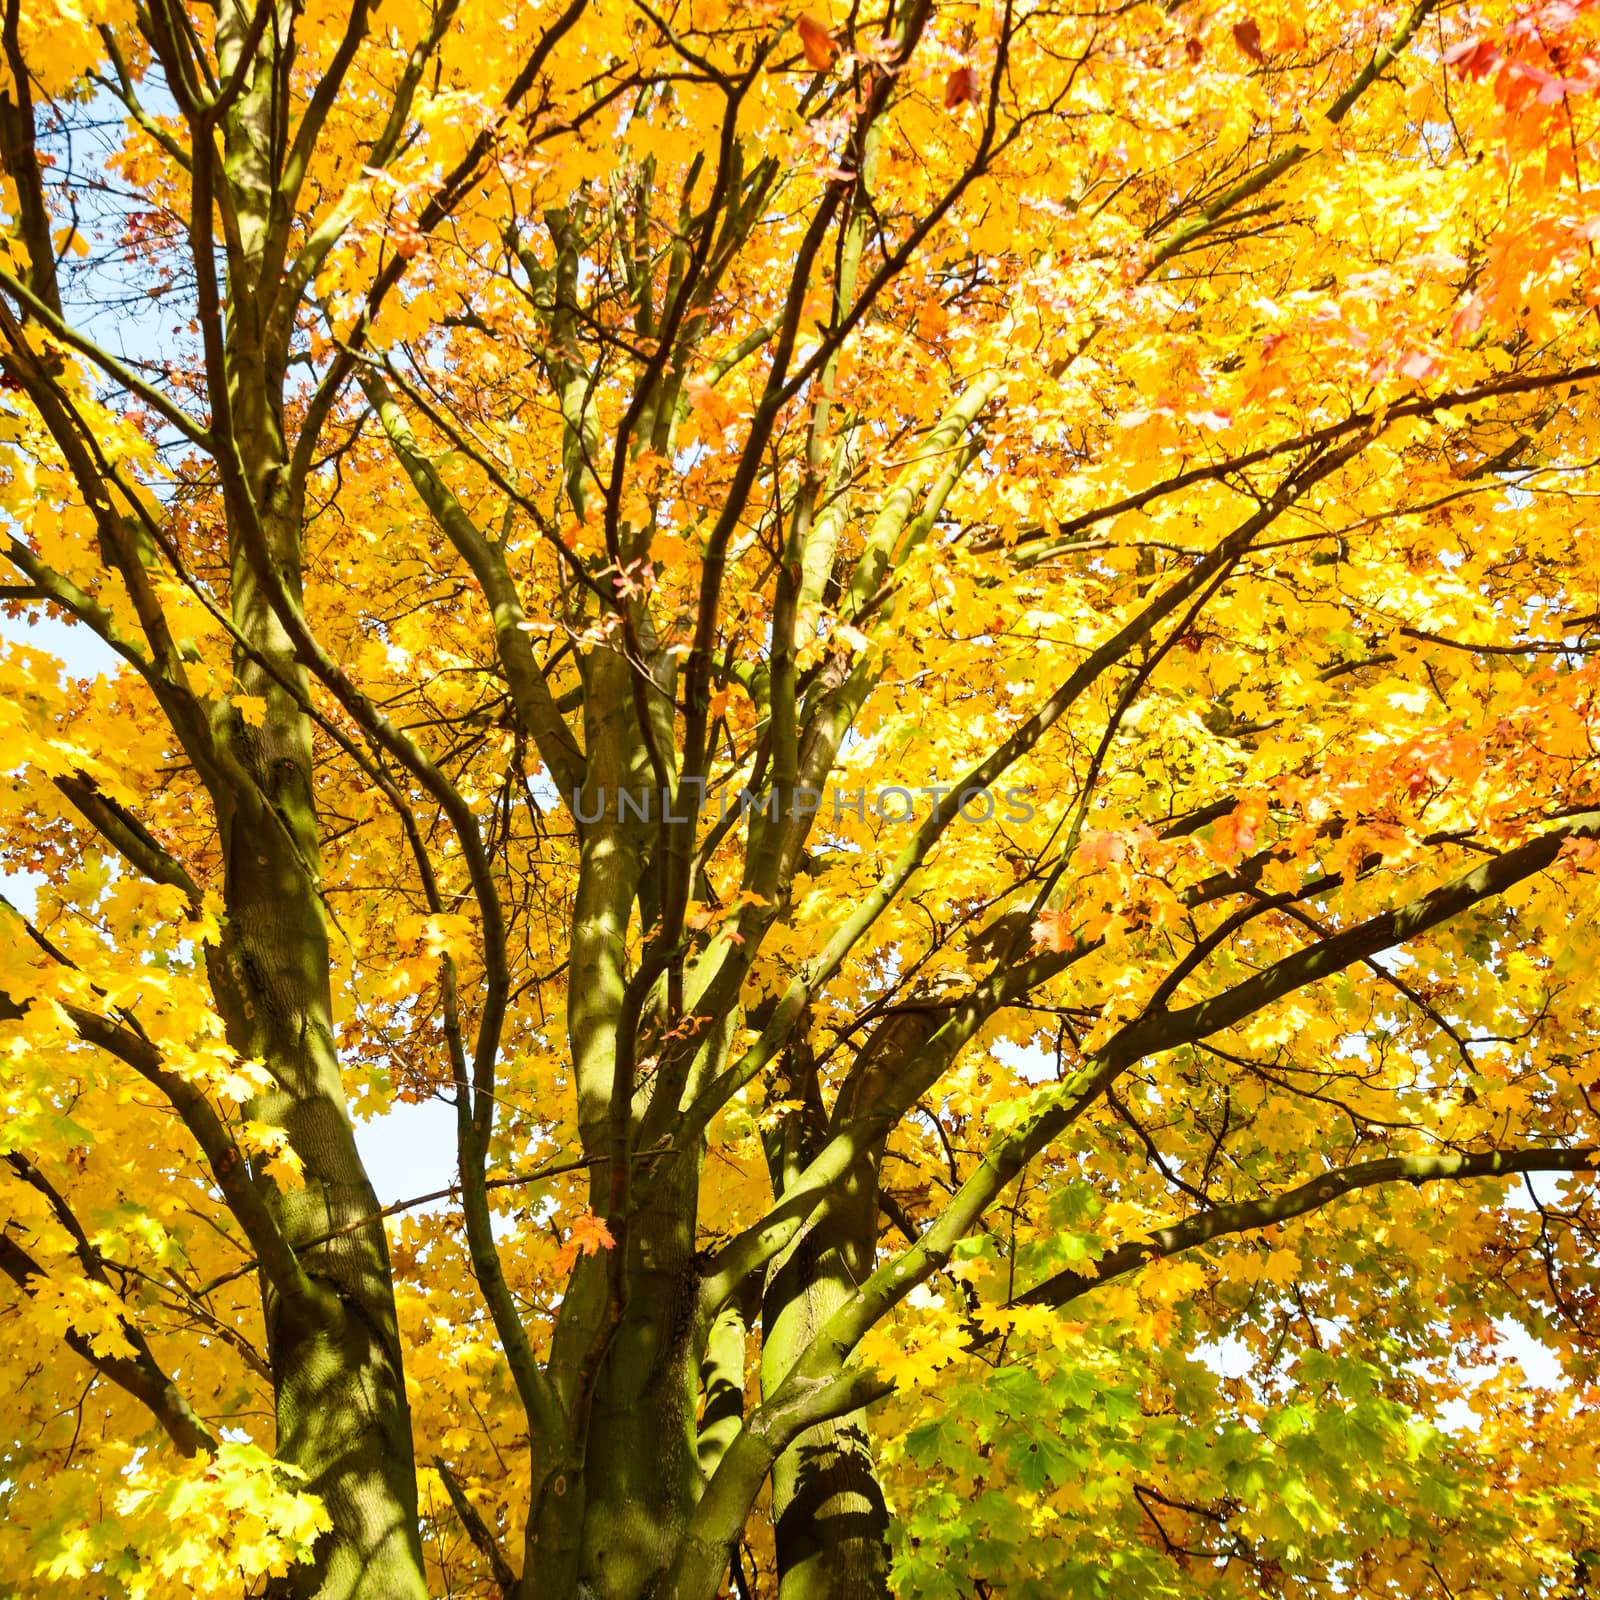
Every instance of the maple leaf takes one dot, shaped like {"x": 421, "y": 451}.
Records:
{"x": 1247, "y": 35}
{"x": 1473, "y": 58}
{"x": 1468, "y": 318}
{"x": 1281, "y": 1267}
{"x": 252, "y": 707}
{"x": 1418, "y": 364}
{"x": 1234, "y": 835}
{"x": 960, "y": 87}
{"x": 1099, "y": 848}
{"x": 587, "y": 1235}
{"x": 1052, "y": 930}
{"x": 819, "y": 45}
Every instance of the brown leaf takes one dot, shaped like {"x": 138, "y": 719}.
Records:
{"x": 959, "y": 87}
{"x": 1247, "y": 35}
{"x": 1193, "y": 48}
{"x": 819, "y": 45}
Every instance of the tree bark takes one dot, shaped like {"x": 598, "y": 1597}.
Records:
{"x": 340, "y": 1392}
{"x": 339, "y": 1387}
{"x": 828, "y": 1508}
{"x": 641, "y": 1447}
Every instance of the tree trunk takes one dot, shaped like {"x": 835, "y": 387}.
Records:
{"x": 642, "y": 1468}
{"x": 620, "y": 1488}
{"x": 340, "y": 1393}
{"x": 828, "y": 1509}
{"x": 339, "y": 1387}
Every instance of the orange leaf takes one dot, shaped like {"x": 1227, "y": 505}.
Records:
{"x": 819, "y": 45}
{"x": 588, "y": 1235}
{"x": 1098, "y": 849}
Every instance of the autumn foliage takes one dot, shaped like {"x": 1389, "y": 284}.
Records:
{"x": 938, "y": 661}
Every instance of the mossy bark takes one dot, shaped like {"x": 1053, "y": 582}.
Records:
{"x": 829, "y": 1514}
{"x": 828, "y": 1509}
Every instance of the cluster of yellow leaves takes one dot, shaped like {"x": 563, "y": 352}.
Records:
{"x": 202, "y": 1530}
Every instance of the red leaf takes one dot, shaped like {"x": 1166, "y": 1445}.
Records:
{"x": 959, "y": 87}
{"x": 1475, "y": 58}
{"x": 1247, "y": 35}
{"x": 819, "y": 45}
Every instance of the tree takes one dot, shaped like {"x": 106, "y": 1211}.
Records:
{"x": 937, "y": 661}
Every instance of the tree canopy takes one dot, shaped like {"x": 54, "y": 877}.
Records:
{"x": 938, "y": 660}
